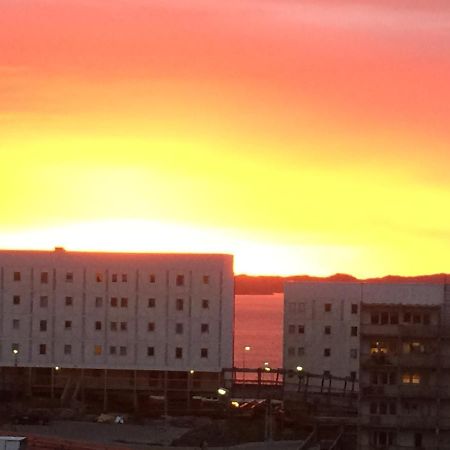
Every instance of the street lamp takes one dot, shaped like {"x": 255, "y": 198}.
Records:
{"x": 247, "y": 348}
{"x": 299, "y": 368}
{"x": 16, "y": 354}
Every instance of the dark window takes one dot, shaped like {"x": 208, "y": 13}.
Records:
{"x": 417, "y": 318}
{"x": 374, "y": 318}
{"x": 67, "y": 324}
{"x": 327, "y": 329}
{"x": 151, "y": 326}
{"x": 69, "y": 301}
{"x": 124, "y": 302}
{"x": 16, "y": 276}
{"x": 44, "y": 277}
{"x": 373, "y": 378}
{"x": 394, "y": 318}
{"x": 326, "y": 373}
{"x": 98, "y": 302}
{"x": 123, "y": 350}
{"x": 392, "y": 408}
{"x": 426, "y": 319}
{"x": 180, "y": 280}
{"x": 16, "y": 299}
{"x": 114, "y": 302}
{"x": 204, "y": 328}
{"x": 179, "y": 328}
{"x": 384, "y": 378}
{"x": 67, "y": 349}
{"x": 291, "y": 329}
{"x": 384, "y": 318}
{"x": 123, "y": 326}
{"x": 301, "y": 329}
{"x": 179, "y": 304}
{"x": 392, "y": 378}
{"x": 300, "y": 351}
{"x": 383, "y": 408}
{"x": 326, "y": 352}
{"x": 407, "y": 317}
{"x": 98, "y": 277}
{"x": 42, "y": 349}
{"x": 43, "y": 325}
{"x": 151, "y": 302}
{"x": 205, "y": 279}
{"x": 69, "y": 277}
{"x": 112, "y": 350}
{"x": 43, "y": 301}
{"x": 373, "y": 407}
{"x": 205, "y": 304}
{"x": 152, "y": 278}
{"x": 353, "y": 375}
{"x": 114, "y": 277}
{"x": 150, "y": 351}
{"x": 204, "y": 353}
{"x": 354, "y": 308}
{"x": 291, "y": 351}
{"x": 327, "y": 307}
{"x": 16, "y": 324}
{"x": 124, "y": 278}
{"x": 354, "y": 331}
{"x": 178, "y": 353}
{"x": 113, "y": 326}
{"x": 98, "y": 325}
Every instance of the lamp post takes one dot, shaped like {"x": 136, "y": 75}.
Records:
{"x": 247, "y": 348}
{"x": 16, "y": 377}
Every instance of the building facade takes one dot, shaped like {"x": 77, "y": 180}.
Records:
{"x": 157, "y": 313}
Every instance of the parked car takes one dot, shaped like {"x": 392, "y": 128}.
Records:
{"x": 32, "y": 417}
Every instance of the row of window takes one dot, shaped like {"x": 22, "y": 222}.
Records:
{"x": 121, "y": 350}
{"x": 392, "y": 318}
{"x": 114, "y": 326}
{"x": 114, "y": 302}
{"x": 299, "y": 307}
{"x": 300, "y": 329}
{"x": 300, "y": 351}
{"x": 391, "y": 378}
{"x": 180, "y": 280}
{"x": 385, "y": 439}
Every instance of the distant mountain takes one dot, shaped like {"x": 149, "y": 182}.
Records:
{"x": 246, "y": 284}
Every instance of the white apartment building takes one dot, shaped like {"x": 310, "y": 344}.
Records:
{"x": 105, "y": 311}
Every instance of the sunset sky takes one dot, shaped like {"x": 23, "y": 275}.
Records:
{"x": 301, "y": 136}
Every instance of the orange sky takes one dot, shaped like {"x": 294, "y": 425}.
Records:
{"x": 304, "y": 137}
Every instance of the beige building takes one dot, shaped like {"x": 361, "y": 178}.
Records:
{"x": 136, "y": 313}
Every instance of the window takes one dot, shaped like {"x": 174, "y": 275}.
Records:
{"x": 353, "y": 375}
{"x": 178, "y": 353}
{"x": 417, "y": 318}
{"x": 407, "y": 317}
{"x": 291, "y": 351}
{"x": 327, "y": 329}
{"x": 394, "y": 318}
{"x": 292, "y": 307}
{"x": 301, "y": 307}
{"x": 43, "y": 301}
{"x": 204, "y": 353}
{"x": 16, "y": 324}
{"x": 327, "y": 307}
{"x": 205, "y": 279}
{"x": 112, "y": 350}
{"x": 67, "y": 349}
{"x": 373, "y": 407}
{"x": 151, "y": 303}
{"x": 354, "y": 308}
{"x": 124, "y": 302}
{"x": 426, "y": 319}
{"x": 204, "y": 328}
{"x": 180, "y": 280}
{"x": 151, "y": 327}
{"x": 291, "y": 329}
{"x": 152, "y": 278}
{"x": 179, "y": 304}
{"x": 300, "y": 351}
{"x": 67, "y": 324}
{"x": 326, "y": 352}
{"x": 409, "y": 378}
{"x": 179, "y": 328}
{"x": 69, "y": 301}
{"x": 354, "y": 331}
{"x": 42, "y": 349}
{"x": 326, "y": 373}
{"x": 98, "y": 302}
{"x": 374, "y": 318}
{"x": 97, "y": 350}
{"x": 123, "y": 326}
{"x": 43, "y": 325}
{"x": 124, "y": 278}
{"x": 382, "y": 407}
{"x": 113, "y": 326}
{"x": 98, "y": 325}
{"x": 44, "y": 277}
{"x": 123, "y": 350}
{"x": 150, "y": 351}
{"x": 384, "y": 318}
{"x": 16, "y": 300}
{"x": 98, "y": 277}
{"x": 205, "y": 304}
{"x": 301, "y": 329}
{"x": 114, "y": 302}
{"x": 16, "y": 276}
{"x": 114, "y": 277}
{"x": 69, "y": 277}
{"x": 354, "y": 353}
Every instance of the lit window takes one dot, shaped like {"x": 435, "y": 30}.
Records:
{"x": 180, "y": 280}
{"x": 204, "y": 353}
{"x": 16, "y": 276}
{"x": 43, "y": 325}
{"x": 98, "y": 302}
{"x": 16, "y": 300}
{"x": 69, "y": 277}
{"x": 97, "y": 350}
{"x": 44, "y": 277}
{"x": 415, "y": 379}
{"x": 124, "y": 302}
{"x": 151, "y": 302}
{"x": 67, "y": 349}
{"x": 150, "y": 351}
{"x": 69, "y": 301}
{"x": 43, "y": 301}
{"x": 178, "y": 353}
{"x": 179, "y": 304}
{"x": 42, "y": 349}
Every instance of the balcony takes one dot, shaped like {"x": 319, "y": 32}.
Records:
{"x": 418, "y": 391}
{"x": 394, "y": 421}
{"x": 418, "y": 331}
{"x": 424, "y": 360}
{"x": 371, "y": 330}
{"x": 374, "y": 360}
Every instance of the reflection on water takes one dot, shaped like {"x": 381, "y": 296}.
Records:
{"x": 258, "y": 324}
